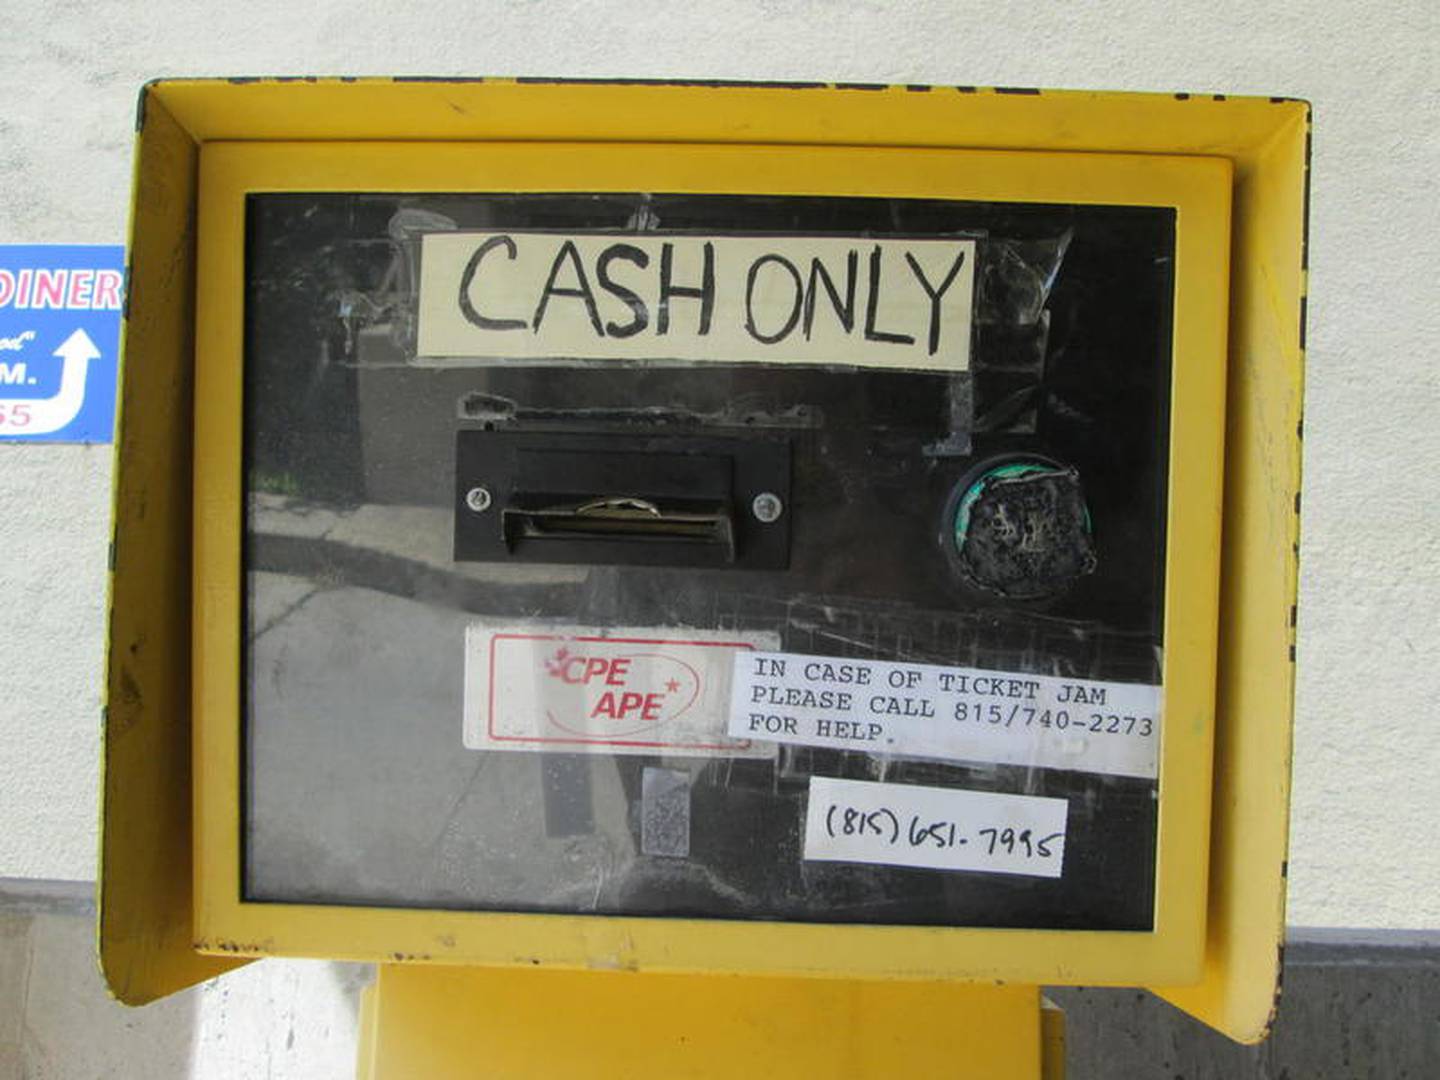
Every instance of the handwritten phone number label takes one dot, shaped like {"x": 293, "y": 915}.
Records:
{"x": 933, "y": 828}
{"x": 947, "y": 713}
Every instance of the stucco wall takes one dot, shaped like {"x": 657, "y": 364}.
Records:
{"x": 1367, "y": 759}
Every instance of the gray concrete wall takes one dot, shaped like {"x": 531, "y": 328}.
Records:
{"x": 1355, "y": 1004}
{"x": 57, "y": 1022}
{"x": 1366, "y": 763}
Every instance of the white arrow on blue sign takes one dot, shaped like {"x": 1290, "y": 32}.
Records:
{"x": 59, "y": 341}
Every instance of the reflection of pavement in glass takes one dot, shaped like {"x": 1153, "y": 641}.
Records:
{"x": 360, "y": 789}
{"x": 415, "y": 540}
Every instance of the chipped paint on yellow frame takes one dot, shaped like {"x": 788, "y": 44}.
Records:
{"x": 1198, "y": 187}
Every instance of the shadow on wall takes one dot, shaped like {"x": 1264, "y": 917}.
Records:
{"x": 281, "y": 1018}
{"x": 1356, "y": 1004}
{"x": 56, "y": 1019}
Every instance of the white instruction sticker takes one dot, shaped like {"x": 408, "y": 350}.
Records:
{"x": 947, "y": 713}
{"x": 614, "y": 691}
{"x": 934, "y": 828}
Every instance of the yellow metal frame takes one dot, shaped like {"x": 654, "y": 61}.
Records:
{"x": 1198, "y": 188}
{"x": 147, "y": 929}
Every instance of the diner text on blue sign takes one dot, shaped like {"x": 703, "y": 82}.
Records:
{"x": 59, "y": 341}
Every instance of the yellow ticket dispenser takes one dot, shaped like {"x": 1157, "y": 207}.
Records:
{"x": 702, "y": 578}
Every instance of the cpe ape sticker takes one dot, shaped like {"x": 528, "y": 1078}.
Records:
{"x": 902, "y": 304}
{"x": 579, "y": 690}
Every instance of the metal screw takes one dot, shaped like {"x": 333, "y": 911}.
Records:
{"x": 478, "y": 499}
{"x": 767, "y": 507}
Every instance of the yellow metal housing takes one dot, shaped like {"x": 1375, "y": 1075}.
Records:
{"x": 204, "y": 143}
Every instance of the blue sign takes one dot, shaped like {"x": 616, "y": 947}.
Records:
{"x": 59, "y": 341}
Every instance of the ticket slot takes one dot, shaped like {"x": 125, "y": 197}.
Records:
{"x": 621, "y": 516}
{"x": 622, "y": 499}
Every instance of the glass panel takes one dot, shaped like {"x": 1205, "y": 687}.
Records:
{"x": 836, "y": 642}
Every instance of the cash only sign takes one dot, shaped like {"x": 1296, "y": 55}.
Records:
{"x": 902, "y": 304}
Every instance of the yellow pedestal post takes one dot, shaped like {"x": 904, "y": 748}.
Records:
{"x": 442, "y": 1022}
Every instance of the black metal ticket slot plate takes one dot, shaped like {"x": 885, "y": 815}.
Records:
{"x": 622, "y": 499}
